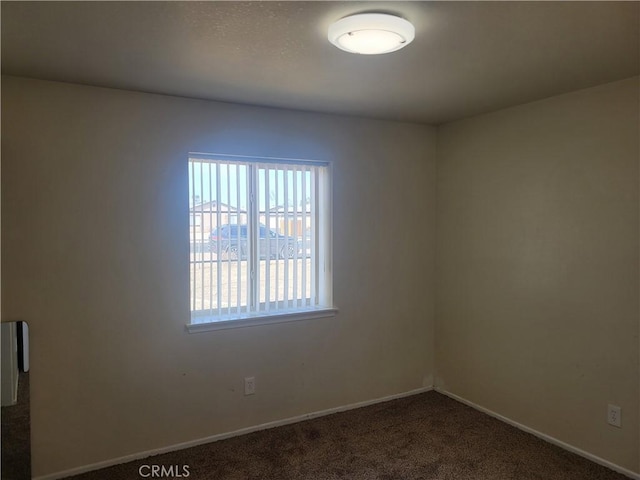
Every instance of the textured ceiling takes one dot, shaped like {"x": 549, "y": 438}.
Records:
{"x": 467, "y": 58}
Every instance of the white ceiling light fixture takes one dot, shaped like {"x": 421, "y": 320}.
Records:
{"x": 371, "y": 33}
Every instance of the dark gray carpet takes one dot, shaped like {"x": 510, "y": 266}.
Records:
{"x": 16, "y": 435}
{"x": 427, "y": 436}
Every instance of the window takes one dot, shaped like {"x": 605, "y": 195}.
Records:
{"x": 261, "y": 250}
{"x": 195, "y": 219}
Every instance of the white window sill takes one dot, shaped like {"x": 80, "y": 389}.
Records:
{"x": 207, "y": 324}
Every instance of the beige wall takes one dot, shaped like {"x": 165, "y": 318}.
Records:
{"x": 537, "y": 265}
{"x": 94, "y": 256}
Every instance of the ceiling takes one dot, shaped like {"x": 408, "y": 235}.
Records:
{"x": 468, "y": 57}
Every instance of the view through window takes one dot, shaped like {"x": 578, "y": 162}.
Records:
{"x": 260, "y": 237}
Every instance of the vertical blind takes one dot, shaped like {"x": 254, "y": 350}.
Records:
{"x": 258, "y": 235}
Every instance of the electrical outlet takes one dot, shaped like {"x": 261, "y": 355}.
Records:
{"x": 249, "y": 385}
{"x": 614, "y": 415}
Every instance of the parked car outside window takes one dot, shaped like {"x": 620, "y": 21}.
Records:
{"x": 232, "y": 241}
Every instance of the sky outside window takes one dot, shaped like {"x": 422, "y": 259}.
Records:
{"x": 233, "y": 184}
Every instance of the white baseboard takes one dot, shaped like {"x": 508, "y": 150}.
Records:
{"x": 543, "y": 436}
{"x": 223, "y": 436}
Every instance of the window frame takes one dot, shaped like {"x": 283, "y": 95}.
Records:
{"x": 324, "y": 237}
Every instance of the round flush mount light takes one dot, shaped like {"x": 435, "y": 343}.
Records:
{"x": 371, "y": 33}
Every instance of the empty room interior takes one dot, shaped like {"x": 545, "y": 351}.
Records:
{"x": 224, "y": 221}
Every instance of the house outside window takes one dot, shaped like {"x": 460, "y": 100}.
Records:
{"x": 195, "y": 220}
{"x": 260, "y": 235}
